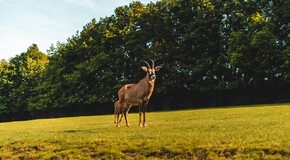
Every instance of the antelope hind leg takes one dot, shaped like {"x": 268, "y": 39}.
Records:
{"x": 121, "y": 117}
{"x": 125, "y": 113}
{"x": 126, "y": 119}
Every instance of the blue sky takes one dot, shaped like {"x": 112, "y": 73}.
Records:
{"x": 44, "y": 22}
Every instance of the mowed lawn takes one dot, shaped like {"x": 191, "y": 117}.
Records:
{"x": 245, "y": 132}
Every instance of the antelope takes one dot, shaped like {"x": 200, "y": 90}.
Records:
{"x": 120, "y": 106}
{"x": 119, "y": 109}
{"x": 136, "y": 95}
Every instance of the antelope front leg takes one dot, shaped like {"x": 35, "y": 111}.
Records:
{"x": 116, "y": 115}
{"x": 117, "y": 120}
{"x": 144, "y": 112}
{"x": 140, "y": 119}
{"x": 140, "y": 114}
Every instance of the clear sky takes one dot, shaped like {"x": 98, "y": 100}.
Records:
{"x": 44, "y": 22}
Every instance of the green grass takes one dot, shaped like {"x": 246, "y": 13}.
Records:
{"x": 245, "y": 132}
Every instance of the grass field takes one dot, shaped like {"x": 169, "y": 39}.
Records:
{"x": 245, "y": 132}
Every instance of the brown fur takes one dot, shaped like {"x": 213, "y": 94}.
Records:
{"x": 119, "y": 109}
{"x": 137, "y": 95}
{"x": 122, "y": 91}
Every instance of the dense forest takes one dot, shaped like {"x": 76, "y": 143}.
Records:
{"x": 204, "y": 46}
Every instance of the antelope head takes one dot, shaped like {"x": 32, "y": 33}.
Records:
{"x": 151, "y": 70}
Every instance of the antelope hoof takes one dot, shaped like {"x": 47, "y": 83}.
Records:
{"x": 118, "y": 125}
{"x": 128, "y": 125}
{"x": 144, "y": 125}
{"x": 140, "y": 125}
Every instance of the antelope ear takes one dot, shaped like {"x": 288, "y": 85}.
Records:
{"x": 157, "y": 68}
{"x": 144, "y": 68}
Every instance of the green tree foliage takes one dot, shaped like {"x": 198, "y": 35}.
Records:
{"x": 257, "y": 49}
{"x": 19, "y": 78}
{"x": 281, "y": 20}
{"x": 254, "y": 51}
{"x": 4, "y": 86}
{"x": 203, "y": 45}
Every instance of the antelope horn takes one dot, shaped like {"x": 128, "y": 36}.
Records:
{"x": 152, "y": 63}
{"x": 147, "y": 64}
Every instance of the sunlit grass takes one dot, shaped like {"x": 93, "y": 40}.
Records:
{"x": 245, "y": 132}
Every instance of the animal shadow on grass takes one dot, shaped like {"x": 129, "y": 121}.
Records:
{"x": 80, "y": 131}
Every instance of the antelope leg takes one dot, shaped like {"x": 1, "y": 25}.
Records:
{"x": 117, "y": 121}
{"x": 140, "y": 114}
{"x": 144, "y": 114}
{"x": 127, "y": 119}
{"x": 121, "y": 117}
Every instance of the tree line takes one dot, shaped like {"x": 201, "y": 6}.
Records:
{"x": 202, "y": 45}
